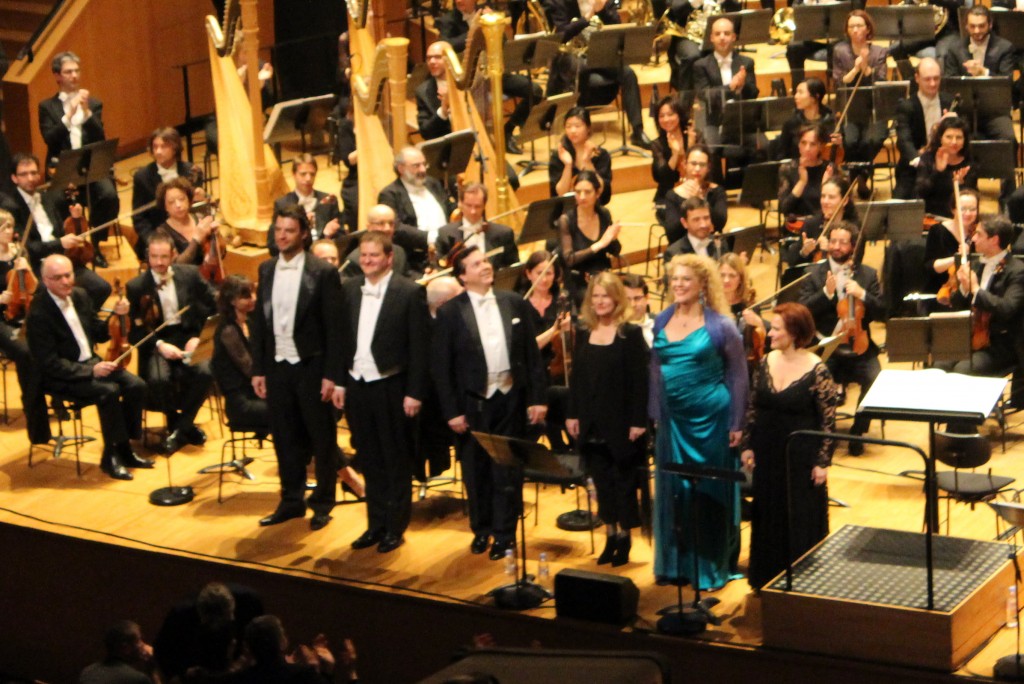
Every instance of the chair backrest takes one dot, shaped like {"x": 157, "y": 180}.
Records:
{"x": 962, "y": 451}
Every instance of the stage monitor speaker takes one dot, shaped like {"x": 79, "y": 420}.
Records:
{"x": 596, "y": 597}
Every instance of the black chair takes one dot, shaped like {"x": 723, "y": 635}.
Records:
{"x": 65, "y": 408}
{"x": 239, "y": 435}
{"x": 962, "y": 452}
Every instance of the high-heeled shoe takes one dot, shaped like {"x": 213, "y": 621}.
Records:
{"x": 622, "y": 547}
{"x": 608, "y": 555}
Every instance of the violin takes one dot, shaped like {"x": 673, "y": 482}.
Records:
{"x": 119, "y": 350}
{"x": 149, "y": 307}
{"x": 21, "y": 282}
{"x": 82, "y": 254}
{"x": 562, "y": 344}
{"x": 214, "y": 251}
{"x": 946, "y": 291}
{"x": 851, "y": 310}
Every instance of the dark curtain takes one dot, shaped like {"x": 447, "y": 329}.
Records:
{"x": 306, "y": 57}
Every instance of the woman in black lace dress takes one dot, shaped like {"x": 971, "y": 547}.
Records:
{"x": 791, "y": 390}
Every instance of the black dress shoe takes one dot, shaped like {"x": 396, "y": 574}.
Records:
{"x": 319, "y": 521}
{"x": 855, "y": 449}
{"x": 281, "y": 515}
{"x": 479, "y": 544}
{"x": 99, "y": 260}
{"x": 112, "y": 467}
{"x": 194, "y": 435}
{"x": 512, "y": 145}
{"x": 367, "y": 539}
{"x": 608, "y": 554}
{"x": 174, "y": 441}
{"x": 130, "y": 459}
{"x": 498, "y": 549}
{"x": 640, "y": 139}
{"x": 389, "y": 543}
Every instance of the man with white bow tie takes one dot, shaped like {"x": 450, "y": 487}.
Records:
{"x": 490, "y": 378}
{"x": 385, "y": 356}
{"x": 475, "y": 230}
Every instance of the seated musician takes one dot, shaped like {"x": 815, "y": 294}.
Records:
{"x": 588, "y": 236}
{"x": 800, "y": 179}
{"x": 12, "y": 344}
{"x": 570, "y": 19}
{"x": 165, "y": 146}
{"x": 809, "y": 244}
{"x": 577, "y": 152}
{"x": 695, "y": 219}
{"x": 682, "y": 51}
{"x": 232, "y": 356}
{"x": 723, "y": 75}
{"x": 840, "y": 279}
{"x": 917, "y": 118}
{"x": 418, "y": 200}
{"x": 695, "y": 183}
{"x": 47, "y": 235}
{"x": 948, "y": 153}
{"x": 62, "y": 328}
{"x": 798, "y": 52}
{"x": 542, "y": 280}
{"x": 474, "y": 229}
{"x": 739, "y": 294}
{"x": 320, "y": 207}
{"x": 382, "y": 218}
{"x": 808, "y": 97}
{"x": 994, "y": 289}
{"x": 943, "y": 244}
{"x": 856, "y": 61}
{"x": 176, "y": 387}
{"x": 676, "y": 135}
{"x": 189, "y": 233}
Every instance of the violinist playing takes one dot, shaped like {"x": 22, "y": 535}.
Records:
{"x": 993, "y": 288}
{"x": 12, "y": 344}
{"x": 838, "y": 280}
{"x": 810, "y": 244}
{"x": 943, "y": 245}
{"x": 189, "y": 233}
{"x": 176, "y": 387}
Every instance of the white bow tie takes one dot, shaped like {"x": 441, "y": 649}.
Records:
{"x": 372, "y": 290}
{"x": 288, "y": 266}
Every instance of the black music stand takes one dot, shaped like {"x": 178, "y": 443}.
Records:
{"x": 527, "y": 54}
{"x": 694, "y": 618}
{"x": 821, "y": 22}
{"x": 449, "y": 155}
{"x": 288, "y": 120}
{"x": 1009, "y": 668}
{"x": 512, "y": 452}
{"x": 171, "y": 495}
{"x": 745, "y": 239}
{"x": 541, "y": 218}
{"x": 1008, "y": 25}
{"x": 543, "y": 117}
{"x": 981, "y": 97}
{"x": 751, "y": 27}
{"x": 506, "y": 278}
{"x": 615, "y": 47}
{"x": 739, "y": 119}
{"x": 903, "y": 23}
{"x": 83, "y": 167}
{"x": 895, "y": 220}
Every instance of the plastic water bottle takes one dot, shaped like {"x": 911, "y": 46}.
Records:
{"x": 543, "y": 571}
{"x": 1011, "y": 606}
{"x": 510, "y": 563}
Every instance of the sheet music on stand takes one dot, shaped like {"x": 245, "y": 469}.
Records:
{"x": 932, "y": 395}
{"x": 287, "y": 119}
{"x": 449, "y": 155}
{"x": 895, "y": 220}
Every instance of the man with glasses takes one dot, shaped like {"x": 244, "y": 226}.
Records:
{"x": 418, "y": 199}
{"x": 381, "y": 218}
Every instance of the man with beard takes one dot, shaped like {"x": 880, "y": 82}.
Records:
{"x": 831, "y": 281}
{"x": 418, "y": 200}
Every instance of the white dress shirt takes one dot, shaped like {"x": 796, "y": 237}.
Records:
{"x": 699, "y": 246}
{"x": 430, "y": 215}
{"x": 473, "y": 235}
{"x": 307, "y": 202}
{"x": 988, "y": 269}
{"x": 67, "y": 307}
{"x": 72, "y": 123}
{"x": 977, "y": 52}
{"x": 725, "y": 66}
{"x": 932, "y": 111}
{"x": 39, "y": 216}
{"x": 285, "y": 300}
{"x": 167, "y": 175}
{"x": 168, "y": 295}
{"x": 842, "y": 275}
{"x": 363, "y": 365}
{"x": 492, "y": 337}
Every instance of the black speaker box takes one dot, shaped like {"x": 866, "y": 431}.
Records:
{"x": 595, "y": 596}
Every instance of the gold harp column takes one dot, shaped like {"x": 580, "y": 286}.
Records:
{"x": 493, "y": 26}
{"x": 398, "y": 55}
{"x": 251, "y": 46}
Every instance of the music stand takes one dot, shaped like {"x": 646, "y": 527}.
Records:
{"x": 694, "y": 618}
{"x": 347, "y": 242}
{"x": 861, "y": 109}
{"x": 746, "y": 239}
{"x": 614, "y": 47}
{"x": 288, "y": 120}
{"x": 526, "y": 54}
{"x": 821, "y": 22}
{"x": 449, "y": 155}
{"x": 895, "y": 220}
{"x": 905, "y": 23}
{"x": 776, "y": 111}
{"x": 511, "y": 452}
{"x": 739, "y": 119}
{"x": 83, "y": 167}
{"x": 908, "y": 340}
{"x": 506, "y": 278}
{"x": 542, "y": 118}
{"x": 751, "y": 27}
{"x": 541, "y": 217}
{"x": 1008, "y": 25}
{"x": 981, "y": 97}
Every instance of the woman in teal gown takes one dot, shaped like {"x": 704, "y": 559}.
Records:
{"x": 698, "y": 398}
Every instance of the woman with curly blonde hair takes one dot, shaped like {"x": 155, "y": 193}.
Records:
{"x": 698, "y": 398}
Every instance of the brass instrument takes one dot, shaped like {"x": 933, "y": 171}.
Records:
{"x": 697, "y": 24}
{"x": 666, "y": 28}
{"x": 581, "y": 41}
{"x": 939, "y": 14}
{"x": 783, "y": 26}
{"x": 536, "y": 10}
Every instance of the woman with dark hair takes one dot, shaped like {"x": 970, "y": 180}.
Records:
{"x": 739, "y": 294}
{"x": 576, "y": 152}
{"x": 948, "y": 153}
{"x": 800, "y": 179}
{"x": 695, "y": 183}
{"x": 668, "y": 151}
{"x": 808, "y": 98}
{"x": 189, "y": 232}
{"x": 809, "y": 242}
{"x": 791, "y": 390}
{"x": 541, "y": 279}
{"x": 607, "y": 413}
{"x": 232, "y": 355}
{"x": 587, "y": 234}
{"x": 943, "y": 243}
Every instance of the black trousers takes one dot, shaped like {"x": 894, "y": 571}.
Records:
{"x": 517, "y": 85}
{"x": 246, "y": 411}
{"x": 597, "y": 86}
{"x": 177, "y": 389}
{"x": 495, "y": 492}
{"x": 616, "y": 481}
{"x": 300, "y": 422}
{"x": 37, "y": 422}
{"x": 119, "y": 398}
{"x": 96, "y": 287}
{"x": 382, "y": 438}
{"x": 682, "y": 53}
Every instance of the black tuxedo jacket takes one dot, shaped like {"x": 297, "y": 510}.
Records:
{"x": 707, "y": 79}
{"x": 460, "y": 367}
{"x": 398, "y": 344}
{"x": 57, "y": 136}
{"x": 192, "y": 290}
{"x": 37, "y": 249}
{"x": 427, "y": 103}
{"x": 911, "y": 134}
{"x": 144, "y": 186}
{"x": 51, "y": 341}
{"x": 564, "y": 17}
{"x": 1003, "y": 298}
{"x": 1000, "y": 58}
{"x": 823, "y": 308}
{"x": 325, "y": 211}
{"x": 496, "y": 235}
{"x": 453, "y": 28}
{"x": 684, "y": 246}
{"x": 317, "y": 334}
{"x": 397, "y": 197}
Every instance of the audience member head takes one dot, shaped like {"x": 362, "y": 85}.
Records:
{"x": 411, "y": 166}
{"x": 794, "y": 322}
{"x": 236, "y": 298}
{"x": 266, "y": 640}
{"x": 605, "y": 301}
{"x": 123, "y": 641}
{"x": 165, "y": 146}
{"x": 381, "y": 217}
{"x": 215, "y": 601}
{"x": 636, "y": 295}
